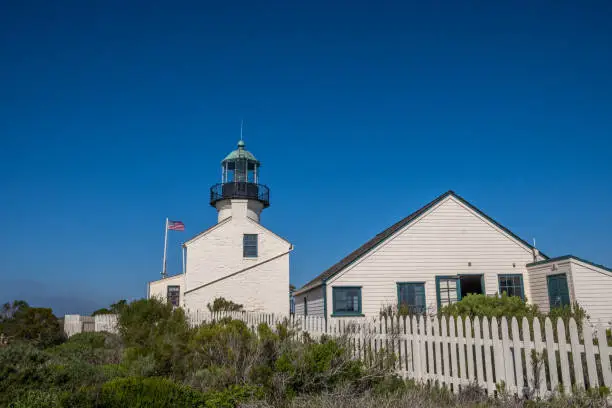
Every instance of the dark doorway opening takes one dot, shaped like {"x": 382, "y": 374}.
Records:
{"x": 471, "y": 284}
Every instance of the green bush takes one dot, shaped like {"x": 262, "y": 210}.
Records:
{"x": 223, "y": 305}
{"x": 154, "y": 328}
{"x": 491, "y": 306}
{"x": 25, "y": 368}
{"x": 91, "y": 347}
{"x": 38, "y": 399}
{"x": 138, "y": 392}
{"x": 20, "y": 322}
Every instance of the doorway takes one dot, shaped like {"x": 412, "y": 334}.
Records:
{"x": 471, "y": 285}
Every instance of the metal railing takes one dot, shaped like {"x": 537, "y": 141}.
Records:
{"x": 239, "y": 189}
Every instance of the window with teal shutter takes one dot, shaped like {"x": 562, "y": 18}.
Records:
{"x": 412, "y": 296}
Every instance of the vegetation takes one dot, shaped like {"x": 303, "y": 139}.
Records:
{"x": 115, "y": 308}
{"x": 222, "y": 305}
{"x": 20, "y": 322}
{"x": 158, "y": 360}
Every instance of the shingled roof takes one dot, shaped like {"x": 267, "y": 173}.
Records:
{"x": 381, "y": 237}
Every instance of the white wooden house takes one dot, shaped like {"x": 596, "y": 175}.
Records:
{"x": 237, "y": 258}
{"x": 442, "y": 252}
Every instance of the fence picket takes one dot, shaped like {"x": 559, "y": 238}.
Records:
{"x": 552, "y": 356}
{"x": 518, "y": 356}
{"x": 445, "y": 359}
{"x": 528, "y": 346}
{"x": 486, "y": 336}
{"x": 540, "y": 370}
{"x": 508, "y": 361}
{"x": 435, "y": 325}
{"x": 576, "y": 354}
{"x": 452, "y": 340}
{"x": 604, "y": 355}
{"x": 469, "y": 349}
{"x": 563, "y": 357}
{"x": 498, "y": 353}
{"x": 416, "y": 347}
{"x": 430, "y": 357}
{"x": 461, "y": 353}
{"x": 590, "y": 355}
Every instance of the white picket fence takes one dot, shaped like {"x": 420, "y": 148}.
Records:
{"x": 458, "y": 352}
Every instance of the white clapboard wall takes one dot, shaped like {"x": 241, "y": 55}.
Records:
{"x": 537, "y": 358}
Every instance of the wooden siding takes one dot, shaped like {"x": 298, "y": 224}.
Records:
{"x": 315, "y": 302}
{"x": 593, "y": 289}
{"x": 443, "y": 241}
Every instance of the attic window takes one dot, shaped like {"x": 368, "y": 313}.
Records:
{"x": 249, "y": 246}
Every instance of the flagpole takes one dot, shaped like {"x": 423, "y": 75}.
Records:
{"x": 183, "y": 258}
{"x": 165, "y": 249}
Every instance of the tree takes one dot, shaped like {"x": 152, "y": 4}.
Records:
{"x": 19, "y": 321}
{"x": 115, "y": 308}
{"x": 292, "y": 288}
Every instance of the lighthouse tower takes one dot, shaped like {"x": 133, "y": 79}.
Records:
{"x": 239, "y": 194}
{"x": 237, "y": 258}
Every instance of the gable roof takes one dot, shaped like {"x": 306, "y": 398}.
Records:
{"x": 381, "y": 237}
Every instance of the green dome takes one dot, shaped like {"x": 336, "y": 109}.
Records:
{"x": 240, "y": 153}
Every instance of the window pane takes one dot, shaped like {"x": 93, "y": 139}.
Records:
{"x": 173, "y": 295}
{"x": 412, "y": 295}
{"x": 512, "y": 285}
{"x": 249, "y": 245}
{"x": 347, "y": 300}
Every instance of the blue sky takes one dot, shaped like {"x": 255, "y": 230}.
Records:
{"x": 114, "y": 115}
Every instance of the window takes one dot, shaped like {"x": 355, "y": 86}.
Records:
{"x": 512, "y": 285}
{"x": 346, "y": 301}
{"x": 558, "y": 292}
{"x": 249, "y": 246}
{"x": 174, "y": 295}
{"x": 412, "y": 296}
{"x": 448, "y": 290}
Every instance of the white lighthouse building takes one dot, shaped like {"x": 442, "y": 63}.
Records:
{"x": 237, "y": 258}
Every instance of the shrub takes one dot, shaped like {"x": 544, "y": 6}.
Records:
{"x": 93, "y": 348}
{"x": 20, "y": 322}
{"x": 153, "y": 327}
{"x": 491, "y": 306}
{"x": 115, "y": 308}
{"x": 138, "y": 392}
{"x": 223, "y": 305}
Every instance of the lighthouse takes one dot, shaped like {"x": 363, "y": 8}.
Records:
{"x": 237, "y": 258}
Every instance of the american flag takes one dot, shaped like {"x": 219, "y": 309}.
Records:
{"x": 176, "y": 225}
